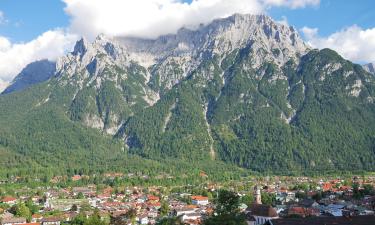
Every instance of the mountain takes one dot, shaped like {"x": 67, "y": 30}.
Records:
{"x": 34, "y": 73}
{"x": 370, "y": 67}
{"x": 242, "y": 91}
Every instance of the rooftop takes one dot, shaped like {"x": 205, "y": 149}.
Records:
{"x": 357, "y": 220}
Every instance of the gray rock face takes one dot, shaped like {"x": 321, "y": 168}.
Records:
{"x": 170, "y": 58}
{"x": 33, "y": 73}
{"x": 267, "y": 40}
{"x": 369, "y": 68}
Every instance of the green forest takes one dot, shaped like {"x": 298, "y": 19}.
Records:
{"x": 226, "y": 119}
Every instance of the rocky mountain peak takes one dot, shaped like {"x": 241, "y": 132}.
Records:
{"x": 81, "y": 47}
{"x": 260, "y": 31}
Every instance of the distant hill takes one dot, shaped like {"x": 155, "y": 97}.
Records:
{"x": 33, "y": 73}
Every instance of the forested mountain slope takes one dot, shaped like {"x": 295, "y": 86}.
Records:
{"x": 242, "y": 91}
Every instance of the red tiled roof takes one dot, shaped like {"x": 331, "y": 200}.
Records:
{"x": 199, "y": 198}
{"x": 8, "y": 199}
{"x": 76, "y": 177}
{"x": 191, "y": 206}
{"x": 152, "y": 198}
{"x": 156, "y": 204}
{"x": 297, "y": 210}
{"x": 327, "y": 186}
{"x": 36, "y": 216}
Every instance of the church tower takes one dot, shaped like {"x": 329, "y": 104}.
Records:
{"x": 257, "y": 195}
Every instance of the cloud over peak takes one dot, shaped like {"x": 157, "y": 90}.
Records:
{"x": 49, "y": 45}
{"x": 152, "y": 18}
{"x": 149, "y": 18}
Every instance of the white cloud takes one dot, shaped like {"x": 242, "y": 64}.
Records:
{"x": 49, "y": 45}
{"x": 3, "y": 85}
{"x": 4, "y": 44}
{"x": 3, "y": 20}
{"x": 353, "y": 42}
{"x": 151, "y": 18}
{"x": 293, "y": 4}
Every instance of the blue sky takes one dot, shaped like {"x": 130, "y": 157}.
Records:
{"x": 26, "y": 19}
{"x": 330, "y": 15}
{"x": 47, "y": 29}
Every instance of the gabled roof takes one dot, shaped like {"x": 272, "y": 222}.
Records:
{"x": 199, "y": 198}
{"x": 262, "y": 210}
{"x": 8, "y": 199}
{"x": 36, "y": 216}
{"x": 51, "y": 219}
{"x": 13, "y": 220}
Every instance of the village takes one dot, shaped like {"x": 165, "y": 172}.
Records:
{"x": 264, "y": 200}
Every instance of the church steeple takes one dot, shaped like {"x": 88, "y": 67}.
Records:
{"x": 257, "y": 194}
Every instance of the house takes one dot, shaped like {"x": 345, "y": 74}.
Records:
{"x": 152, "y": 198}
{"x": 76, "y": 177}
{"x": 31, "y": 223}
{"x": 307, "y": 203}
{"x": 51, "y": 221}
{"x": 143, "y": 220}
{"x": 297, "y": 211}
{"x": 69, "y": 216}
{"x": 36, "y": 218}
{"x": 13, "y": 220}
{"x": 84, "y": 190}
{"x": 199, "y": 200}
{"x": 183, "y": 211}
{"x": 355, "y": 220}
{"x": 9, "y": 200}
{"x": 261, "y": 213}
{"x": 285, "y": 197}
{"x": 327, "y": 186}
{"x": 302, "y": 211}
{"x": 6, "y": 214}
{"x": 334, "y": 209}
{"x": 191, "y": 216}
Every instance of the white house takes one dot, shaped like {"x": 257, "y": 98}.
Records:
{"x": 183, "y": 211}
{"x": 191, "y": 216}
{"x": 143, "y": 220}
{"x": 199, "y": 200}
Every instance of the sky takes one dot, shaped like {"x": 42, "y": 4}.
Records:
{"x": 47, "y": 29}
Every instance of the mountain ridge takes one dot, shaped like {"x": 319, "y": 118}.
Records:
{"x": 243, "y": 90}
